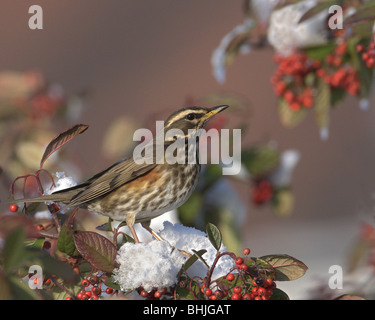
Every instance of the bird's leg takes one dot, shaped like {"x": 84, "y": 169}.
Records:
{"x": 130, "y": 218}
{"x": 146, "y": 225}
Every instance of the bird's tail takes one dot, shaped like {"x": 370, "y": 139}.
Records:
{"x": 46, "y": 198}
{"x": 63, "y": 196}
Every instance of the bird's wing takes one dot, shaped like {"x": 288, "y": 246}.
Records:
{"x": 110, "y": 179}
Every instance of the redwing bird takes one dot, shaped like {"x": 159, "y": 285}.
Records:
{"x": 136, "y": 192}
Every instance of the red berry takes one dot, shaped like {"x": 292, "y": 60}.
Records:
{"x": 80, "y": 295}
{"x": 144, "y": 293}
{"x": 13, "y": 208}
{"x": 88, "y": 293}
{"x": 289, "y": 96}
{"x": 46, "y": 245}
{"x": 68, "y": 298}
{"x": 94, "y": 280}
{"x": 246, "y": 251}
{"x": 109, "y": 290}
{"x": 238, "y": 260}
{"x": 208, "y": 292}
{"x": 269, "y": 282}
{"x": 269, "y": 292}
{"x": 246, "y": 297}
{"x": 236, "y": 296}
{"x": 96, "y": 290}
{"x": 94, "y": 297}
{"x": 359, "y": 47}
{"x": 237, "y": 289}
{"x": 295, "y": 106}
{"x": 230, "y": 277}
{"x": 85, "y": 282}
{"x": 213, "y": 297}
{"x": 258, "y": 298}
{"x": 47, "y": 282}
{"x": 261, "y": 291}
{"x": 244, "y": 267}
{"x": 76, "y": 270}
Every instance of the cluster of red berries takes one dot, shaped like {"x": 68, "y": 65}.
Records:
{"x": 368, "y": 55}
{"x": 92, "y": 289}
{"x": 261, "y": 289}
{"x": 338, "y": 75}
{"x": 258, "y": 289}
{"x": 262, "y": 192}
{"x": 244, "y": 287}
{"x": 289, "y": 79}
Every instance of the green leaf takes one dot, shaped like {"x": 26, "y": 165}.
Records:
{"x": 320, "y": 52}
{"x": 214, "y": 235}
{"x": 20, "y": 290}
{"x": 199, "y": 256}
{"x": 260, "y": 160}
{"x": 14, "y": 249}
{"x": 65, "y": 242}
{"x": 189, "y": 262}
{"x": 279, "y": 294}
{"x": 286, "y": 267}
{"x": 288, "y": 117}
{"x": 230, "y": 230}
{"x": 110, "y": 283}
{"x": 96, "y": 249}
{"x": 58, "y": 268}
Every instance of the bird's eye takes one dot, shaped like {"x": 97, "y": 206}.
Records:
{"x": 190, "y": 116}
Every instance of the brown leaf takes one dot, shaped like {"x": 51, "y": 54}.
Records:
{"x": 62, "y": 139}
{"x": 287, "y": 268}
{"x": 96, "y": 249}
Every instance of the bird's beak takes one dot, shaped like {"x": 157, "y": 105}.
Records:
{"x": 213, "y": 111}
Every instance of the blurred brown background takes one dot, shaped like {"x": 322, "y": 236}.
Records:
{"x": 137, "y": 57}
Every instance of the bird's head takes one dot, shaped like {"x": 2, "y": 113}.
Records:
{"x": 193, "y": 118}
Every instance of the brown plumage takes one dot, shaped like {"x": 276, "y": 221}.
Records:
{"x": 138, "y": 192}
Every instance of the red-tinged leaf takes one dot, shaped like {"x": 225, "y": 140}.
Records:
{"x": 62, "y": 139}
{"x": 286, "y": 267}
{"x": 279, "y": 294}
{"x": 96, "y": 250}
